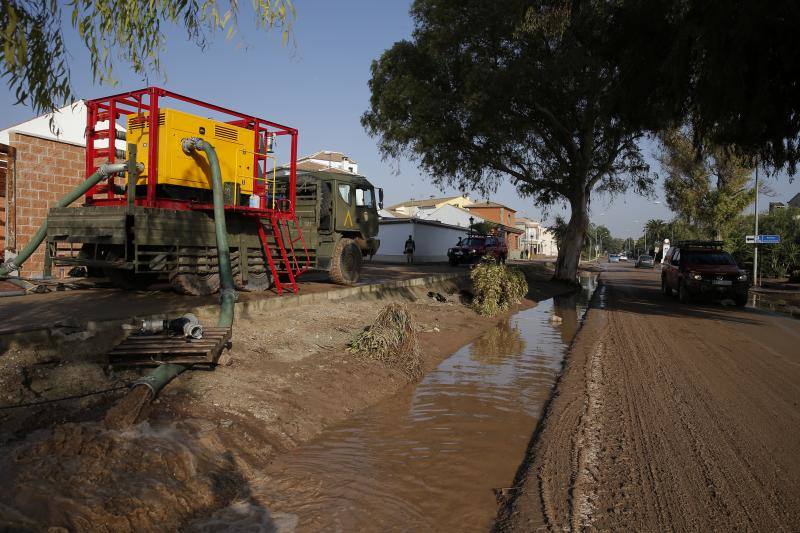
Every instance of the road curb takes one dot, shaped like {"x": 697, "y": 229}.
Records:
{"x": 99, "y": 336}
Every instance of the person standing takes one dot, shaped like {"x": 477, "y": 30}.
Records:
{"x": 409, "y": 248}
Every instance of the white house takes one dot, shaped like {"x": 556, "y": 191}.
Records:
{"x": 328, "y": 160}
{"x": 68, "y": 125}
{"x": 432, "y": 239}
{"x": 536, "y": 239}
{"x": 435, "y": 224}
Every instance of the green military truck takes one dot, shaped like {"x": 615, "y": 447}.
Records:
{"x": 135, "y": 247}
{"x": 338, "y": 216}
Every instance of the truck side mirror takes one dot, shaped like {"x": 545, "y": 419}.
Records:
{"x": 380, "y": 198}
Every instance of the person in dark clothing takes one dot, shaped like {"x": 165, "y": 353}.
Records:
{"x": 409, "y": 248}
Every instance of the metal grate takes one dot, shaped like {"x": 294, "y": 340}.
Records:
{"x": 229, "y": 134}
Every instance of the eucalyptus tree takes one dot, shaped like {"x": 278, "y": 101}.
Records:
{"x": 34, "y": 58}
{"x": 489, "y": 91}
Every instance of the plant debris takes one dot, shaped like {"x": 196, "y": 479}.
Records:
{"x": 391, "y": 339}
{"x": 497, "y": 287}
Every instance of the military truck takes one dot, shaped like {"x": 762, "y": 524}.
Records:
{"x": 337, "y": 215}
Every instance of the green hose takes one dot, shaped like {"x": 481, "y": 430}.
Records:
{"x": 165, "y": 373}
{"x": 102, "y": 173}
{"x": 227, "y": 290}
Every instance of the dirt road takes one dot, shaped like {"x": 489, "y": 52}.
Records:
{"x": 667, "y": 417}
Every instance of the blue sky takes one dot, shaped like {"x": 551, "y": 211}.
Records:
{"x": 319, "y": 85}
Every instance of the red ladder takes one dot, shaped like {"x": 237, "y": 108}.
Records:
{"x": 284, "y": 249}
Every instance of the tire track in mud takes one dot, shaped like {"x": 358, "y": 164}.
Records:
{"x": 668, "y": 418}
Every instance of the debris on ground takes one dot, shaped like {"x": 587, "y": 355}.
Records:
{"x": 496, "y": 287}
{"x": 392, "y": 339}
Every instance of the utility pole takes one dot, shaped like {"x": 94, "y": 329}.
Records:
{"x": 755, "y": 252}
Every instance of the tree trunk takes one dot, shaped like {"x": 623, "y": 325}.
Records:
{"x": 569, "y": 253}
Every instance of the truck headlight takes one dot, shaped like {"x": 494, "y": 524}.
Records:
{"x": 472, "y": 251}
{"x": 695, "y": 276}
{"x": 742, "y": 276}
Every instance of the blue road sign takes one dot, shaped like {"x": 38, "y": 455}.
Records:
{"x": 768, "y": 239}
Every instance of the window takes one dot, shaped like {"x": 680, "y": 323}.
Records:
{"x": 364, "y": 198}
{"x": 344, "y": 192}
{"x": 676, "y": 258}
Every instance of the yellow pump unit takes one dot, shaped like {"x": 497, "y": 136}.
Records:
{"x": 234, "y": 147}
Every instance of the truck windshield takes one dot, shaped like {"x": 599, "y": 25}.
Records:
{"x": 709, "y": 258}
{"x": 473, "y": 241}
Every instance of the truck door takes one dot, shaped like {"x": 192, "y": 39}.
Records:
{"x": 365, "y": 211}
{"x": 345, "y": 216}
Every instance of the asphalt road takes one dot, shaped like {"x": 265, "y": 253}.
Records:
{"x": 668, "y": 417}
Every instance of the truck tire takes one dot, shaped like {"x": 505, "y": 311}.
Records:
{"x": 665, "y": 290}
{"x": 256, "y": 281}
{"x": 195, "y": 284}
{"x": 346, "y": 262}
{"x": 684, "y": 296}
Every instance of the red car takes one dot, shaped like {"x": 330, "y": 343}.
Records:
{"x": 703, "y": 269}
{"x": 475, "y": 247}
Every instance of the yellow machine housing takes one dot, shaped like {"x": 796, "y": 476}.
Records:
{"x": 234, "y": 147}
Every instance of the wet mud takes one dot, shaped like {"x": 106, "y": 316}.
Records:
{"x": 437, "y": 455}
{"x": 202, "y": 462}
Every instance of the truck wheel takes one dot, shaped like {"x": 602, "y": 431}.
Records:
{"x": 453, "y": 262}
{"x": 346, "y": 262}
{"x": 195, "y": 284}
{"x": 256, "y": 281}
{"x": 740, "y": 300}
{"x": 684, "y": 296}
{"x": 665, "y": 290}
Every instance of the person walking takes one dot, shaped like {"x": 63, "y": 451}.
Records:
{"x": 409, "y": 249}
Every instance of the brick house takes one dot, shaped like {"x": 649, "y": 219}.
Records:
{"x": 38, "y": 166}
{"x": 502, "y": 215}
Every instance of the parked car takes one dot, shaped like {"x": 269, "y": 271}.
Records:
{"x": 475, "y": 247}
{"x": 645, "y": 261}
{"x": 613, "y": 258}
{"x": 702, "y": 268}
{"x": 623, "y": 257}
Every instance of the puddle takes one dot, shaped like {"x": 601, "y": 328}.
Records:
{"x": 776, "y": 302}
{"x": 429, "y": 458}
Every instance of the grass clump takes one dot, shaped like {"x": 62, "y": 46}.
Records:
{"x": 392, "y": 340}
{"x": 496, "y": 287}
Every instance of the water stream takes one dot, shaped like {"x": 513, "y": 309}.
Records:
{"x": 429, "y": 458}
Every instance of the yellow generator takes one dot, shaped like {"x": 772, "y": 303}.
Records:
{"x": 184, "y": 177}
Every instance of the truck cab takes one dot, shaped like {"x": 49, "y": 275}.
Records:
{"x": 338, "y": 215}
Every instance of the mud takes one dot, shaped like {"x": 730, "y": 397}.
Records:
{"x": 210, "y": 434}
{"x": 668, "y": 417}
{"x": 435, "y": 456}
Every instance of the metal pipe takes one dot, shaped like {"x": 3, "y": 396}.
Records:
{"x": 102, "y": 173}
{"x": 165, "y": 373}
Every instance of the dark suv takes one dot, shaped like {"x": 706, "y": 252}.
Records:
{"x": 703, "y": 268}
{"x": 475, "y": 247}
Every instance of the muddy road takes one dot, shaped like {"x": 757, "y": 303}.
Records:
{"x": 200, "y": 460}
{"x": 668, "y": 417}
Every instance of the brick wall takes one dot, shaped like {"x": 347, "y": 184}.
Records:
{"x": 45, "y": 171}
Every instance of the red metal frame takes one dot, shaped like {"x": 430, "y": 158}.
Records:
{"x": 149, "y": 100}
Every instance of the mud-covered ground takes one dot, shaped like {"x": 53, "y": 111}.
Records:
{"x": 668, "y": 417}
{"x": 208, "y": 435}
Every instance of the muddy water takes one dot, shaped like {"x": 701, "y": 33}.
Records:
{"x": 776, "y": 302}
{"x": 430, "y": 458}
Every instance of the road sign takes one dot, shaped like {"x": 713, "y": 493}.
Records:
{"x": 762, "y": 239}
